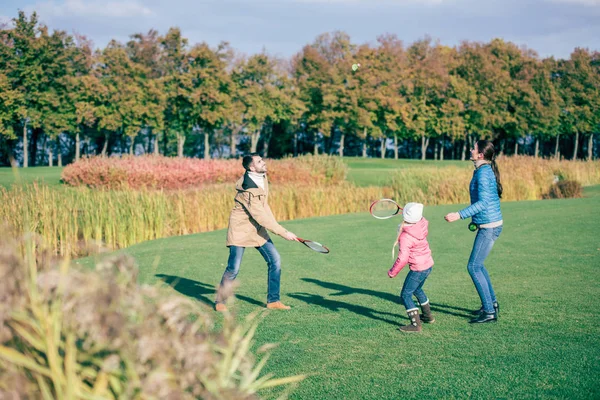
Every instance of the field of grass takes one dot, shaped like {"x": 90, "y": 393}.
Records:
{"x": 378, "y": 172}
{"x": 362, "y": 171}
{"x": 47, "y": 175}
{"x": 342, "y": 326}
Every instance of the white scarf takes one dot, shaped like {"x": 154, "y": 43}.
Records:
{"x": 259, "y": 179}
{"x": 479, "y": 163}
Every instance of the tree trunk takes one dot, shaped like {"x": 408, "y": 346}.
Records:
{"x": 383, "y": 140}
{"x": 556, "y": 149}
{"x": 537, "y": 147}
{"x": 591, "y": 147}
{"x": 233, "y": 144}
{"x": 424, "y": 145}
{"x": 180, "y": 142}
{"x": 395, "y": 147}
{"x": 206, "y": 146}
{"x": 364, "y": 144}
{"x": 316, "y": 145}
{"x": 155, "y": 144}
{"x": 254, "y": 141}
{"x": 266, "y": 146}
{"x": 576, "y": 145}
{"x": 442, "y": 145}
{"x": 464, "y": 148}
{"x": 77, "y": 147}
{"x": 50, "y": 155}
{"x": 516, "y": 147}
{"x": 33, "y": 144}
{"x": 295, "y": 144}
{"x": 341, "y": 150}
{"x": 436, "y": 149}
{"x": 131, "y": 144}
{"x": 58, "y": 152}
{"x": 25, "y": 147}
{"x": 44, "y": 147}
{"x": 105, "y": 145}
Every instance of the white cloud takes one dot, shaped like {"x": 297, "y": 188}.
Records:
{"x": 91, "y": 8}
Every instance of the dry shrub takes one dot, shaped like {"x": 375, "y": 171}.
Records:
{"x": 564, "y": 190}
{"x": 67, "y": 333}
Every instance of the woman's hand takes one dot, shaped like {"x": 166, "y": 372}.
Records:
{"x": 452, "y": 217}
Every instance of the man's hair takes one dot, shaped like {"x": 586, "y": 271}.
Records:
{"x": 247, "y": 160}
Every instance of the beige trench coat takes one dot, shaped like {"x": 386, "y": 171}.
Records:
{"x": 250, "y": 216}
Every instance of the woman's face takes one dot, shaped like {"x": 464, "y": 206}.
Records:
{"x": 475, "y": 154}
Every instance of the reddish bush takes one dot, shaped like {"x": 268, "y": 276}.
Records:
{"x": 179, "y": 173}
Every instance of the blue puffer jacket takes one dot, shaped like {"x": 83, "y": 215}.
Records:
{"x": 485, "y": 203}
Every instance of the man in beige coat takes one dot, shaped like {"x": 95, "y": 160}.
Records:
{"x": 249, "y": 221}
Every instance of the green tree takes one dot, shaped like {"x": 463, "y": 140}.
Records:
{"x": 579, "y": 81}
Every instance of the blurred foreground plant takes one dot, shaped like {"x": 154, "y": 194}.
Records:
{"x": 67, "y": 333}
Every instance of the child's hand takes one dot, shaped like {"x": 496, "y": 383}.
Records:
{"x": 391, "y": 273}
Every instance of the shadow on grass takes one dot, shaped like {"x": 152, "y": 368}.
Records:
{"x": 203, "y": 292}
{"x": 345, "y": 290}
{"x": 336, "y": 305}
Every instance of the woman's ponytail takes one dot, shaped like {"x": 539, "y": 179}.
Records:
{"x": 486, "y": 147}
{"x": 497, "y": 174}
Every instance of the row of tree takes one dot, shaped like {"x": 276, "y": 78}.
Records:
{"x": 159, "y": 94}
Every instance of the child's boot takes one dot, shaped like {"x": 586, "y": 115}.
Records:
{"x": 427, "y": 316}
{"x": 415, "y": 322}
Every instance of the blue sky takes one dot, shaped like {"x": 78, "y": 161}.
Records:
{"x": 283, "y": 27}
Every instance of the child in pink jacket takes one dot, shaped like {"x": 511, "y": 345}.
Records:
{"x": 414, "y": 250}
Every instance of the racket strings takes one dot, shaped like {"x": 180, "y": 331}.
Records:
{"x": 384, "y": 208}
{"x": 316, "y": 246}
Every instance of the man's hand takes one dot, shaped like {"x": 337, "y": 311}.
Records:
{"x": 452, "y": 217}
{"x": 290, "y": 236}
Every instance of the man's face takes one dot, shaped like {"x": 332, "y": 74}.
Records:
{"x": 258, "y": 165}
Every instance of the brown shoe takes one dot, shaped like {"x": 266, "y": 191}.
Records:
{"x": 220, "y": 307}
{"x": 415, "y": 322}
{"x": 277, "y": 305}
{"x": 427, "y": 316}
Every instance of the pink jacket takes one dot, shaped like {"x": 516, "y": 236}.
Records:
{"x": 414, "y": 249}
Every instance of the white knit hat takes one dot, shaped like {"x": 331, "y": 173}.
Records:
{"x": 412, "y": 212}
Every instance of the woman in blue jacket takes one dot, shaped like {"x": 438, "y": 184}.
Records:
{"x": 485, "y": 190}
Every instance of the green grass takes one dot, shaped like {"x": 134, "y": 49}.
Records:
{"x": 48, "y": 175}
{"x": 378, "y": 172}
{"x": 342, "y": 326}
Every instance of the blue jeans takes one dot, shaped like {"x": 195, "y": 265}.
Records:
{"x": 413, "y": 284}
{"x": 484, "y": 241}
{"x": 271, "y": 256}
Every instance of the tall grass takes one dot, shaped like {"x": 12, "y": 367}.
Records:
{"x": 68, "y": 334}
{"x": 523, "y": 178}
{"x": 68, "y": 218}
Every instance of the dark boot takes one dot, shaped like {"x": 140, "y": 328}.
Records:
{"x": 427, "y": 317}
{"x": 496, "y": 310}
{"x": 483, "y": 318}
{"x": 415, "y": 322}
